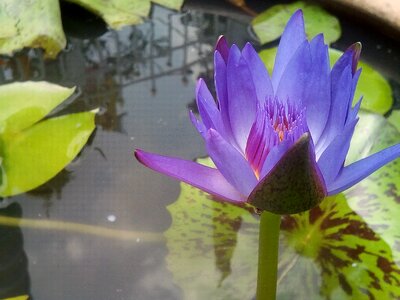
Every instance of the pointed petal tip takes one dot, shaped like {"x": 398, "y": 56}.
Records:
{"x": 139, "y": 155}
{"x": 222, "y": 47}
{"x": 355, "y": 49}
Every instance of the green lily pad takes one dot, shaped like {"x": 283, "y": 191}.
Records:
{"x": 376, "y": 91}
{"x": 269, "y": 25}
{"x": 35, "y": 24}
{"x": 34, "y": 151}
{"x": 346, "y": 248}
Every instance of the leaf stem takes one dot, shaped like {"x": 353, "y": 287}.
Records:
{"x": 268, "y": 256}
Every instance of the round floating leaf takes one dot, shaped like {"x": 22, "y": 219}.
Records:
{"x": 376, "y": 91}
{"x": 269, "y": 25}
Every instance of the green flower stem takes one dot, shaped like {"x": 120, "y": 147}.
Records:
{"x": 268, "y": 256}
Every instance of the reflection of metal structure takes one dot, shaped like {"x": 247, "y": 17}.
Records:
{"x": 168, "y": 43}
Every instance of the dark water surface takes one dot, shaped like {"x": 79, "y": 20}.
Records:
{"x": 143, "y": 80}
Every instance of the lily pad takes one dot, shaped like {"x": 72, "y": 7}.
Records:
{"x": 346, "y": 248}
{"x": 269, "y": 25}
{"x": 376, "y": 91}
{"x": 35, "y": 24}
{"x": 33, "y": 152}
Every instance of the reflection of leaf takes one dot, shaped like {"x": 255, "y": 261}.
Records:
{"x": 269, "y": 24}
{"x": 33, "y": 153}
{"x": 346, "y": 248}
{"x": 23, "y": 297}
{"x": 26, "y": 23}
{"x": 376, "y": 91}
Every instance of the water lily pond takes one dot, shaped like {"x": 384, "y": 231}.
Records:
{"x": 81, "y": 218}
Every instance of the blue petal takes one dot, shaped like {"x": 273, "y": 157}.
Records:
{"x": 230, "y": 163}
{"x": 197, "y": 124}
{"x": 332, "y": 159}
{"x": 349, "y": 58}
{"x": 338, "y": 111}
{"x": 205, "y": 178}
{"x": 242, "y": 97}
{"x": 208, "y": 110}
{"x": 222, "y": 93}
{"x": 259, "y": 73}
{"x": 317, "y": 97}
{"x": 292, "y": 37}
{"x": 357, "y": 171}
{"x": 296, "y": 76}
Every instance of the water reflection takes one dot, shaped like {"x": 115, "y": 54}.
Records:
{"x": 14, "y": 276}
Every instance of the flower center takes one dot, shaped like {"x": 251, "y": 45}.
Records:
{"x": 275, "y": 123}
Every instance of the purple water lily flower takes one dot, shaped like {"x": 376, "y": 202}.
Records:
{"x": 277, "y": 142}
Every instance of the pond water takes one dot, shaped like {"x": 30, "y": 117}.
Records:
{"x": 106, "y": 212}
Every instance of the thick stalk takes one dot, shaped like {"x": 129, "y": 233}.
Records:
{"x": 268, "y": 256}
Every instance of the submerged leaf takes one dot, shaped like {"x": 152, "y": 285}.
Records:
{"x": 269, "y": 24}
{"x": 35, "y": 24}
{"x": 376, "y": 91}
{"x": 346, "y": 248}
